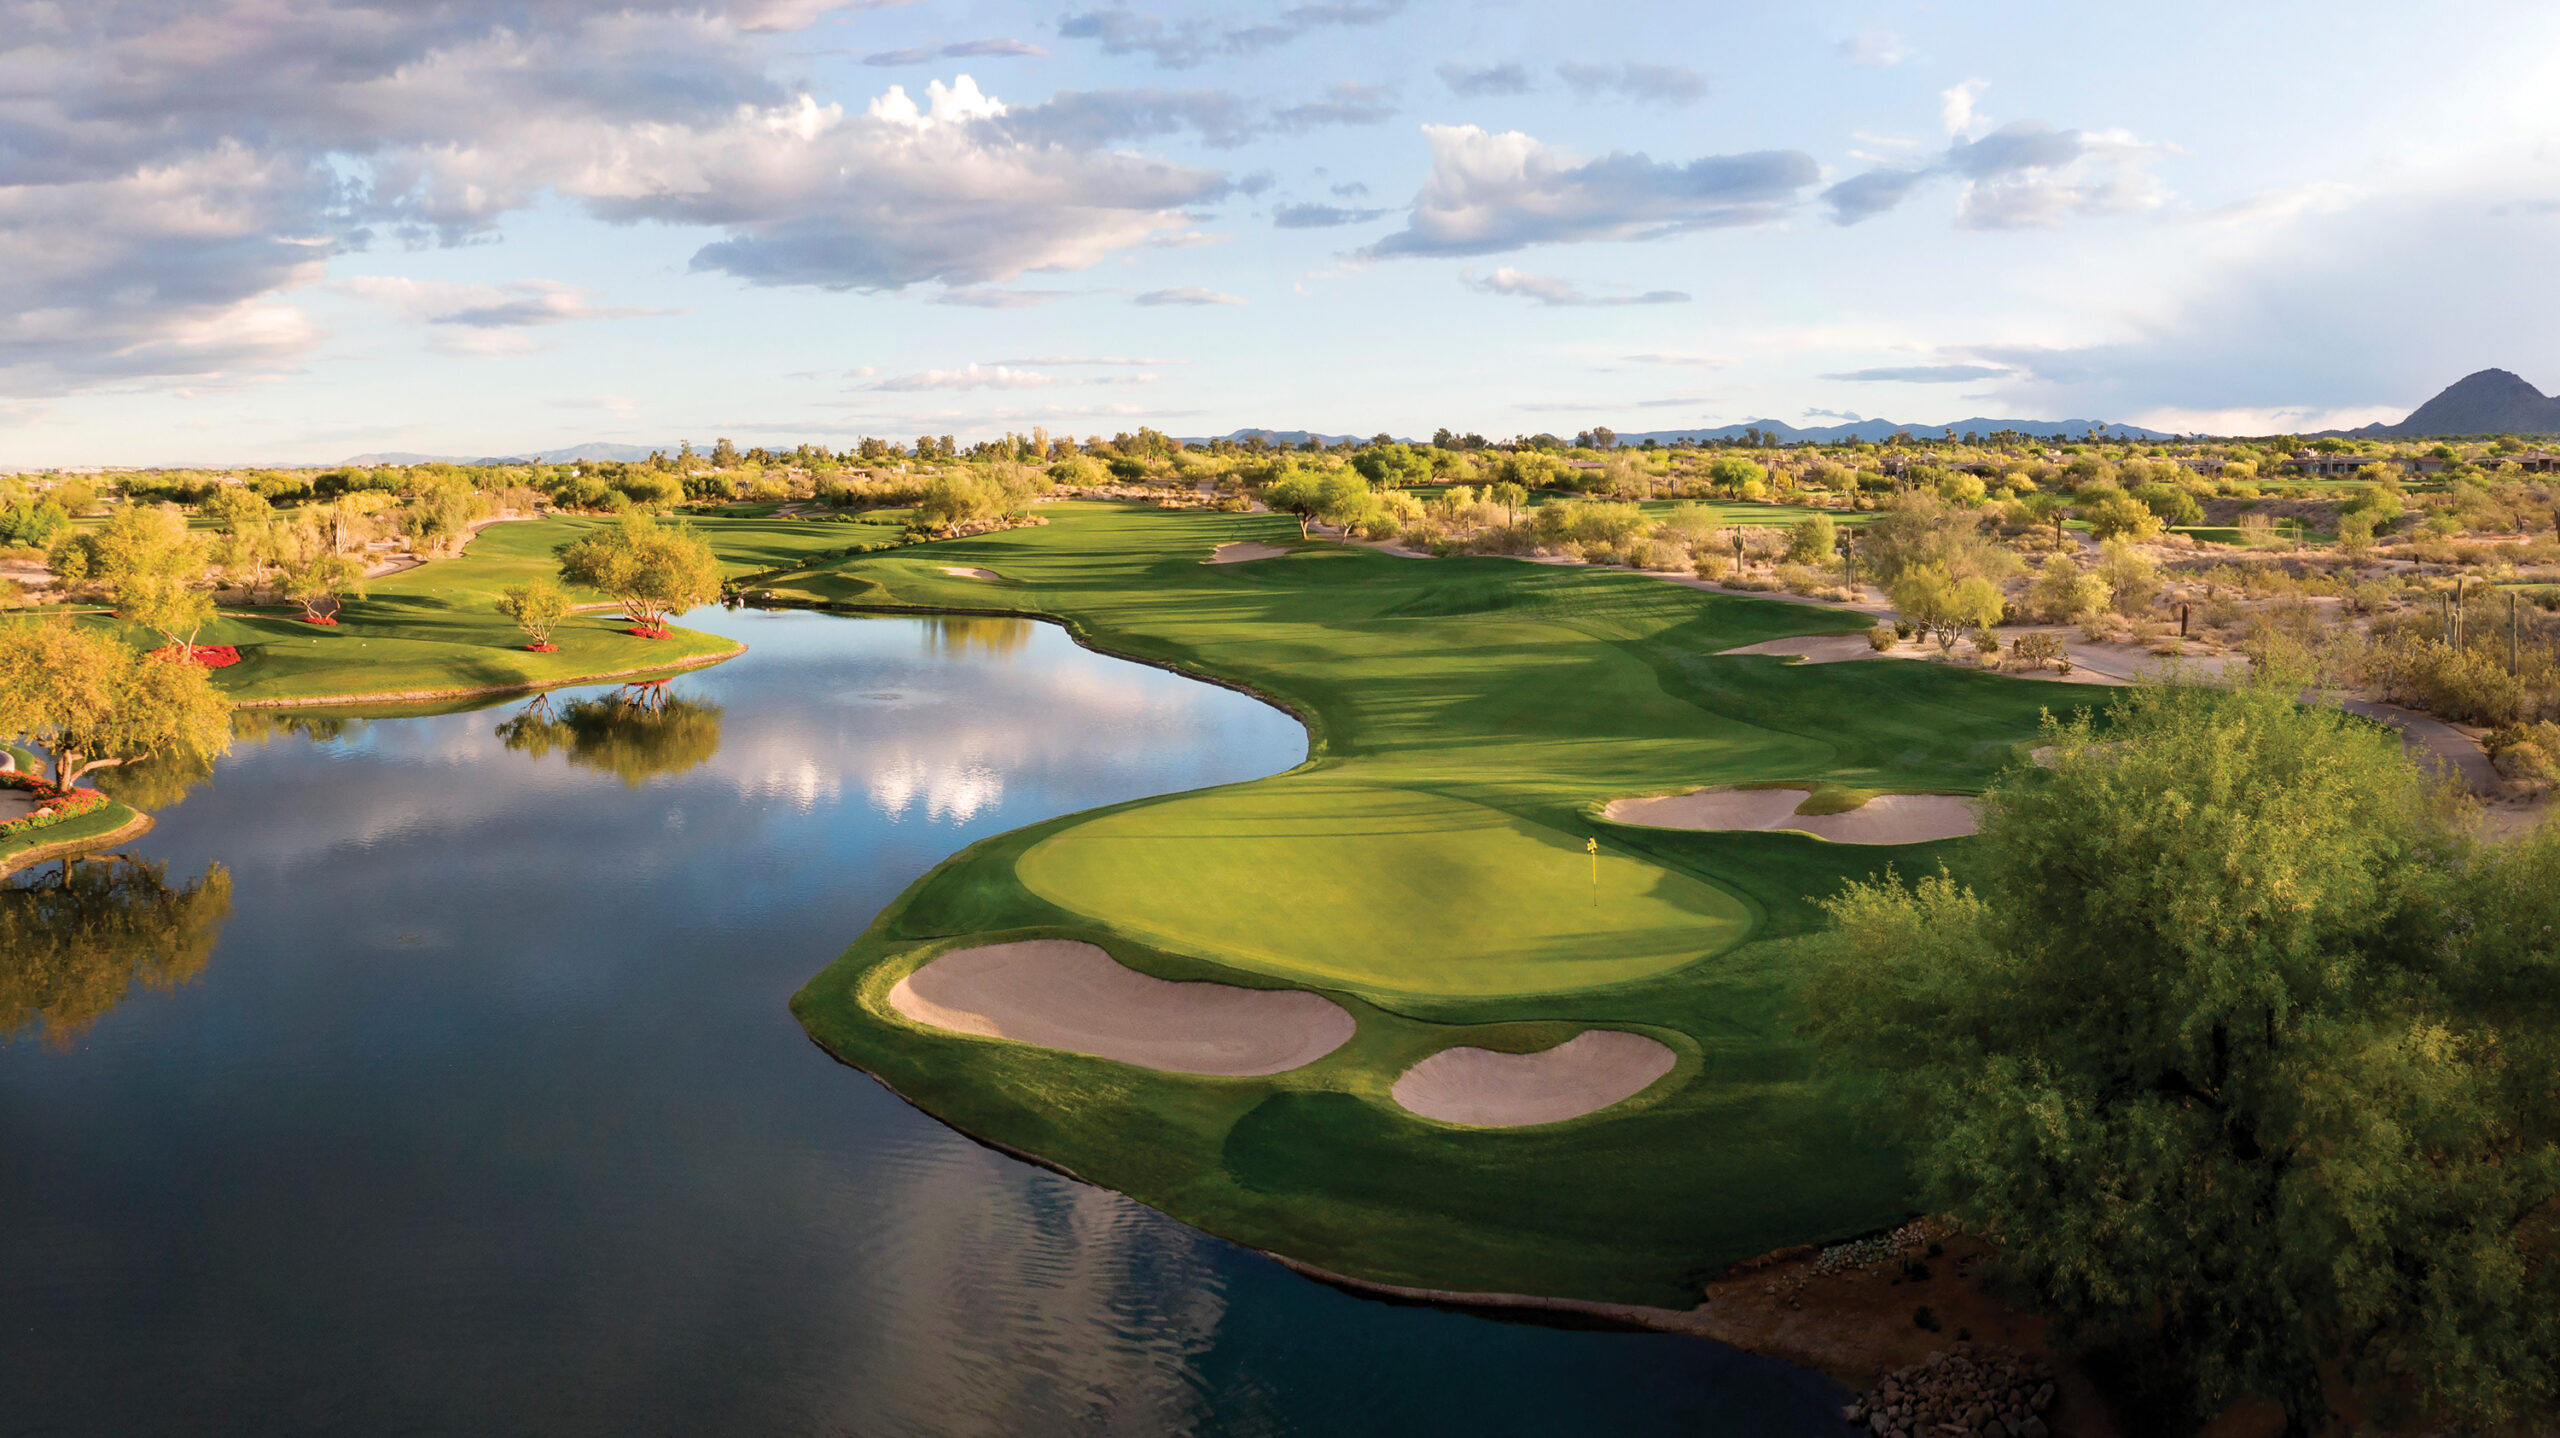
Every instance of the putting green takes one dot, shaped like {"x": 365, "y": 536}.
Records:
{"x": 1381, "y": 889}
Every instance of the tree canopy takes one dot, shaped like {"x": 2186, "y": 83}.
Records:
{"x": 2241, "y": 1051}
{"x": 653, "y": 570}
{"x": 91, "y": 702}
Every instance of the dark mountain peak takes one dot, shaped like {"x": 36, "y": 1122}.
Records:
{"x": 2489, "y": 401}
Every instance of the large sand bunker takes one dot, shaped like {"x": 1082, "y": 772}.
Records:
{"x": 970, "y": 571}
{"x": 1813, "y": 648}
{"x": 1242, "y": 550}
{"x": 1884, "y": 819}
{"x": 1060, "y": 994}
{"x": 1584, "y": 1074}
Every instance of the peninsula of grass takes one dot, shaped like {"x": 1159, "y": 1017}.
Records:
{"x": 100, "y": 827}
{"x": 1427, "y": 868}
{"x": 433, "y": 632}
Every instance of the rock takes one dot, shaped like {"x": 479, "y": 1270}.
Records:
{"x": 2044, "y": 1396}
{"x": 2032, "y": 1428}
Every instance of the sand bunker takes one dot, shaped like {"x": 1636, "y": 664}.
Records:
{"x": 1884, "y": 819}
{"x": 966, "y": 571}
{"x": 1060, "y": 994}
{"x": 1814, "y": 648}
{"x": 1584, "y": 1074}
{"x": 1242, "y": 550}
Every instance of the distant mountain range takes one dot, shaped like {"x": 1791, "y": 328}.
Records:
{"x": 596, "y": 450}
{"x": 2489, "y": 401}
{"x": 1872, "y": 430}
{"x": 2493, "y": 401}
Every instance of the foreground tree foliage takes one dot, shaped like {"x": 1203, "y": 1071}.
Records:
{"x": 2242, "y": 1052}
{"x": 73, "y": 941}
{"x": 91, "y": 702}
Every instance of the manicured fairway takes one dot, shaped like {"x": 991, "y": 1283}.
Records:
{"x": 1427, "y": 869}
{"x": 1382, "y": 890}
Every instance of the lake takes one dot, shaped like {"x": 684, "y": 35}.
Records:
{"x": 479, "y": 1108}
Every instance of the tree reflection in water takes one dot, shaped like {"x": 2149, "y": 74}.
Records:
{"x": 162, "y": 780}
{"x": 74, "y": 938}
{"x": 966, "y": 634}
{"x": 637, "y": 733}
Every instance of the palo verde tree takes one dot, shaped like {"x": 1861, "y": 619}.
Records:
{"x": 652, "y": 570}
{"x": 148, "y": 564}
{"x": 2241, "y": 1052}
{"x": 537, "y": 608}
{"x": 91, "y": 702}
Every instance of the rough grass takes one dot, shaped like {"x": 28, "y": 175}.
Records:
{"x": 1427, "y": 867}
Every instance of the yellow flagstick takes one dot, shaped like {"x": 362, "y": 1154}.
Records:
{"x": 1594, "y": 846}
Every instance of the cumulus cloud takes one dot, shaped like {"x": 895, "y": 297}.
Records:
{"x": 2024, "y": 174}
{"x": 521, "y": 304}
{"x": 1473, "y": 81}
{"x": 1488, "y": 193}
{"x": 1875, "y": 48}
{"x": 1092, "y": 119}
{"x": 1114, "y": 361}
{"x": 1317, "y": 217}
{"x": 1344, "y": 103}
{"x": 168, "y": 171}
{"x": 1551, "y": 290}
{"x": 992, "y": 297}
{"x": 2258, "y": 342}
{"x": 973, "y": 376}
{"x": 1657, "y": 84}
{"x": 1924, "y": 373}
{"x": 1188, "y": 295}
{"x": 1179, "y": 44}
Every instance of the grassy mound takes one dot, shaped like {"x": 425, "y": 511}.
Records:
{"x": 1427, "y": 867}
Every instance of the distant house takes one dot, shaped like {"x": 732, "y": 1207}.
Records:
{"x": 2534, "y": 461}
{"x": 2331, "y": 466}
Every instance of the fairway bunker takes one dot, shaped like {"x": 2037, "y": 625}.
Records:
{"x": 966, "y": 571}
{"x": 1061, "y": 994}
{"x": 1487, "y": 1089}
{"x": 1242, "y": 550}
{"x": 1884, "y": 819}
{"x": 1812, "y": 648}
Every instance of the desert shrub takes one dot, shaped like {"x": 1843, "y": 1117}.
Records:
{"x": 1576, "y": 521}
{"x": 1710, "y": 562}
{"x": 2526, "y": 751}
{"x": 2132, "y": 581}
{"x": 2063, "y": 591}
{"x": 1804, "y": 579}
{"x": 1881, "y": 638}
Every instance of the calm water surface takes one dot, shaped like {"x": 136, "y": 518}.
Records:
{"x": 484, "y": 1112}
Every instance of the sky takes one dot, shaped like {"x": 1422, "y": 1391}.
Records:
{"x": 292, "y": 231}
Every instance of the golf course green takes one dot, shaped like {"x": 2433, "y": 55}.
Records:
{"x": 1431, "y": 868}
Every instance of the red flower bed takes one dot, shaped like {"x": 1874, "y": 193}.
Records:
{"x": 651, "y": 631}
{"x": 53, "y": 805}
{"x": 543, "y": 648}
{"x": 328, "y": 619}
{"x": 211, "y": 656}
